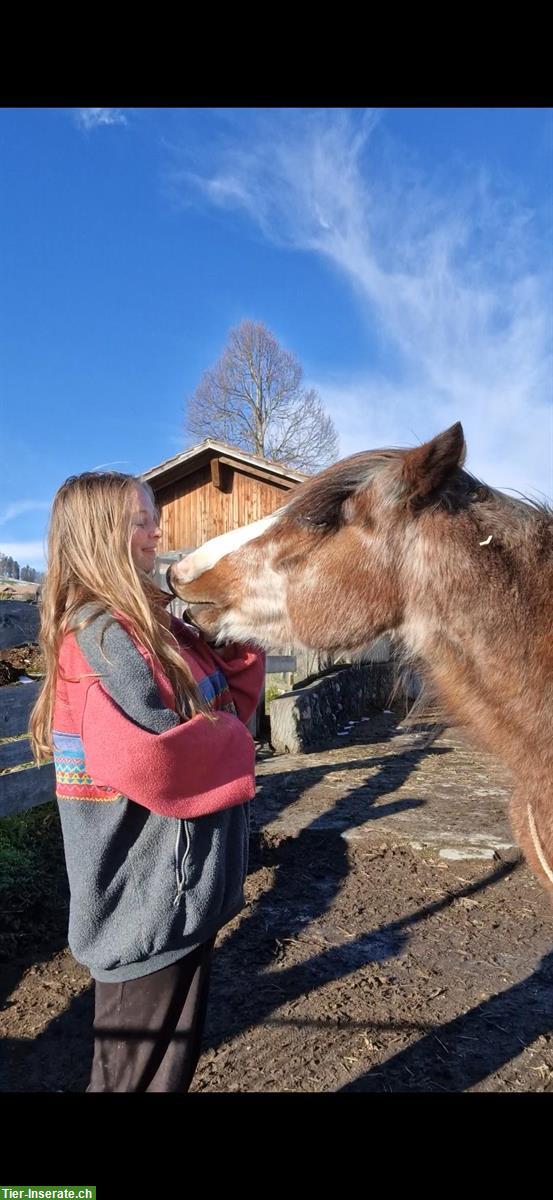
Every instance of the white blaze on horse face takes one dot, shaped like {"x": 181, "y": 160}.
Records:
{"x": 211, "y": 552}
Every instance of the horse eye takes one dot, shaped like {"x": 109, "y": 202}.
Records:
{"x": 311, "y": 521}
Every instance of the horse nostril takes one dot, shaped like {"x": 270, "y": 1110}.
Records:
{"x": 168, "y": 581}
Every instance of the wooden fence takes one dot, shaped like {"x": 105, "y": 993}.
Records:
{"x": 28, "y": 785}
{"x": 22, "y": 784}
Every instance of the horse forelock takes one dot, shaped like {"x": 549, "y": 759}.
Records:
{"x": 318, "y": 502}
{"x": 319, "y": 506}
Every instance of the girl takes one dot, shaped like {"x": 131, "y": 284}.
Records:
{"x": 154, "y": 771}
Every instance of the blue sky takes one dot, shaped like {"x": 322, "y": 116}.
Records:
{"x": 404, "y": 255}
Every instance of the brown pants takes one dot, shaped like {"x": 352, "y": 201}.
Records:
{"x": 148, "y": 1031}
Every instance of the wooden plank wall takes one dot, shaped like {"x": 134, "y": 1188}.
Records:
{"x": 194, "y": 510}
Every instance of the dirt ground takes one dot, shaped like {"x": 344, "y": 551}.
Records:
{"x": 392, "y": 939}
{"x": 21, "y": 660}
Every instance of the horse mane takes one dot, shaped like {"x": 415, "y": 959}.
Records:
{"x": 319, "y": 501}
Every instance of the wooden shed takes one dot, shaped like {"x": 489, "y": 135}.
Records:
{"x": 212, "y": 488}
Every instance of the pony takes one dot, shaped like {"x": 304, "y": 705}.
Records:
{"x": 406, "y": 540}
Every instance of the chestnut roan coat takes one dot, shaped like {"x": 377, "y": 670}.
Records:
{"x": 406, "y": 540}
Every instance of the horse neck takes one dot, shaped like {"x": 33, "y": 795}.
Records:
{"x": 487, "y": 644}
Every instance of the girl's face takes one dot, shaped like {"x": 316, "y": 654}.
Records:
{"x": 146, "y": 531}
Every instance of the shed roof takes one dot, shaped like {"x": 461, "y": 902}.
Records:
{"x": 196, "y": 456}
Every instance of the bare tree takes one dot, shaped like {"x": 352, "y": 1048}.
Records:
{"x": 253, "y": 398}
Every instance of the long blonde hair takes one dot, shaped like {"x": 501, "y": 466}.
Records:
{"x": 90, "y": 560}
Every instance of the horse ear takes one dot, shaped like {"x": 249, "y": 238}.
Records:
{"x": 428, "y": 466}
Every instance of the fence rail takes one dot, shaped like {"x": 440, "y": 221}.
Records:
{"x": 29, "y": 785}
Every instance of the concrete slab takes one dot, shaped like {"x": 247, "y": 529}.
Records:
{"x": 378, "y": 780}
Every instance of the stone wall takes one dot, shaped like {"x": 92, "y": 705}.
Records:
{"x": 309, "y": 716}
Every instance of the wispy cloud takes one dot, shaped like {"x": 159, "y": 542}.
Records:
{"x": 445, "y": 269}
{"x": 92, "y": 118}
{"x": 117, "y": 462}
{"x": 371, "y": 411}
{"x": 22, "y": 506}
